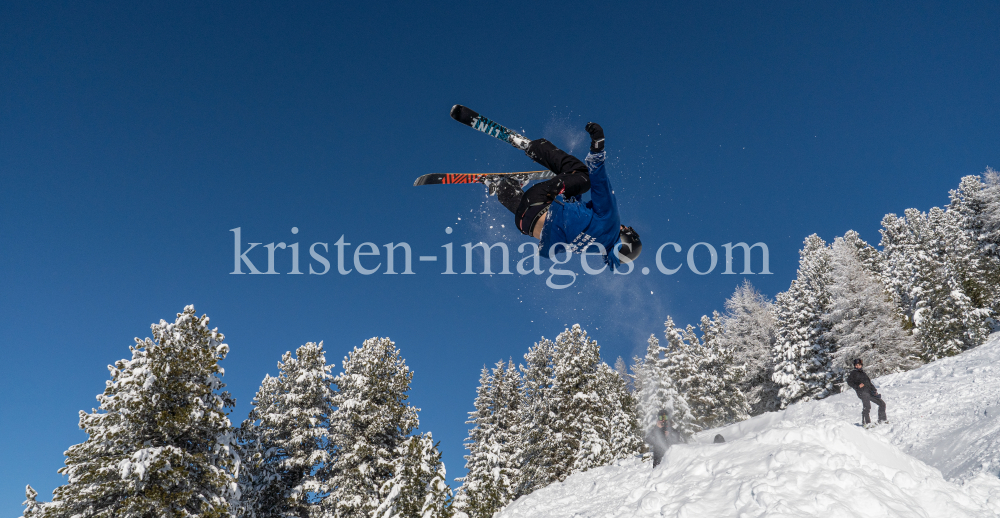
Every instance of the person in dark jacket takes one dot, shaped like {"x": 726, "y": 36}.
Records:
{"x": 863, "y": 386}
{"x": 662, "y": 436}
{"x": 542, "y": 214}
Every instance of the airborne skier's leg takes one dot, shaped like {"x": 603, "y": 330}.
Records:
{"x": 571, "y": 179}
{"x": 509, "y": 194}
{"x": 553, "y": 158}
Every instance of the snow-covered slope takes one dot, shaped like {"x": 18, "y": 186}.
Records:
{"x": 940, "y": 456}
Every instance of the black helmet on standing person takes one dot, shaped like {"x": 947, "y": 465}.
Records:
{"x": 857, "y": 361}
{"x": 631, "y": 245}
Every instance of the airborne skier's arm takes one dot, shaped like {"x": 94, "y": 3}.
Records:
{"x": 601, "y": 193}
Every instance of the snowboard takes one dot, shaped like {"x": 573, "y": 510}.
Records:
{"x": 491, "y": 180}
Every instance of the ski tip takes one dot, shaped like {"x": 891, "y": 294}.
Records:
{"x": 463, "y": 114}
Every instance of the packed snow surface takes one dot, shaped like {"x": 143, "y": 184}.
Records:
{"x": 938, "y": 457}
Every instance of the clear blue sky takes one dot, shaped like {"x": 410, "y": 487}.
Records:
{"x": 134, "y": 137}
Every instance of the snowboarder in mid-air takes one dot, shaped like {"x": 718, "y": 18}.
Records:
{"x": 662, "y": 436}
{"x": 863, "y": 386}
{"x": 551, "y": 211}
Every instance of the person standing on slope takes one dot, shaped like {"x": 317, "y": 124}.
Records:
{"x": 662, "y": 436}
{"x": 540, "y": 213}
{"x": 862, "y": 385}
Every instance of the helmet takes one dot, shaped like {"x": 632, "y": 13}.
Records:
{"x": 857, "y": 361}
{"x": 630, "y": 241}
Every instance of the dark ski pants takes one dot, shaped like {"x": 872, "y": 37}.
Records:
{"x": 572, "y": 180}
{"x": 866, "y": 407}
{"x": 658, "y": 456}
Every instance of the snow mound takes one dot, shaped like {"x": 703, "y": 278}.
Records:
{"x": 938, "y": 457}
{"x": 946, "y": 413}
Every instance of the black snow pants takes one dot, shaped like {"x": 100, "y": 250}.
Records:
{"x": 658, "y": 456}
{"x": 572, "y": 180}
{"x": 866, "y": 407}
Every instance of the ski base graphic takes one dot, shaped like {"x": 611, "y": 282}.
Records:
{"x": 491, "y": 180}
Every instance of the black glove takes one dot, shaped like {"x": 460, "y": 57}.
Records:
{"x": 596, "y": 137}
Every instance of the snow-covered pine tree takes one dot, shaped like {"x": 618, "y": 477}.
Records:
{"x": 925, "y": 270}
{"x": 622, "y": 369}
{"x": 418, "y": 487}
{"x": 970, "y": 275}
{"x": 580, "y": 421}
{"x": 287, "y": 438}
{"x": 904, "y": 259}
{"x": 976, "y": 205}
{"x": 32, "y": 508}
{"x": 748, "y": 333}
{"x": 802, "y": 368}
{"x": 683, "y": 358}
{"x": 869, "y": 256}
{"x": 976, "y": 273}
{"x": 537, "y": 438}
{"x": 656, "y": 391}
{"x": 161, "y": 443}
{"x": 619, "y": 404}
{"x": 508, "y": 432}
{"x": 438, "y": 496}
{"x": 864, "y": 320}
{"x": 494, "y": 457}
{"x": 705, "y": 374}
{"x": 259, "y": 481}
{"x": 371, "y": 421}
{"x": 477, "y": 491}
{"x": 722, "y": 377}
{"x": 990, "y": 196}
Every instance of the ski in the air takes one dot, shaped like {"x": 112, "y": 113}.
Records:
{"x": 474, "y": 120}
{"x": 491, "y": 180}
{"x": 496, "y": 130}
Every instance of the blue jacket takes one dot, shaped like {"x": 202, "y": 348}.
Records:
{"x": 577, "y": 224}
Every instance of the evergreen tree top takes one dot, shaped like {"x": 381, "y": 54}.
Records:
{"x": 161, "y": 442}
